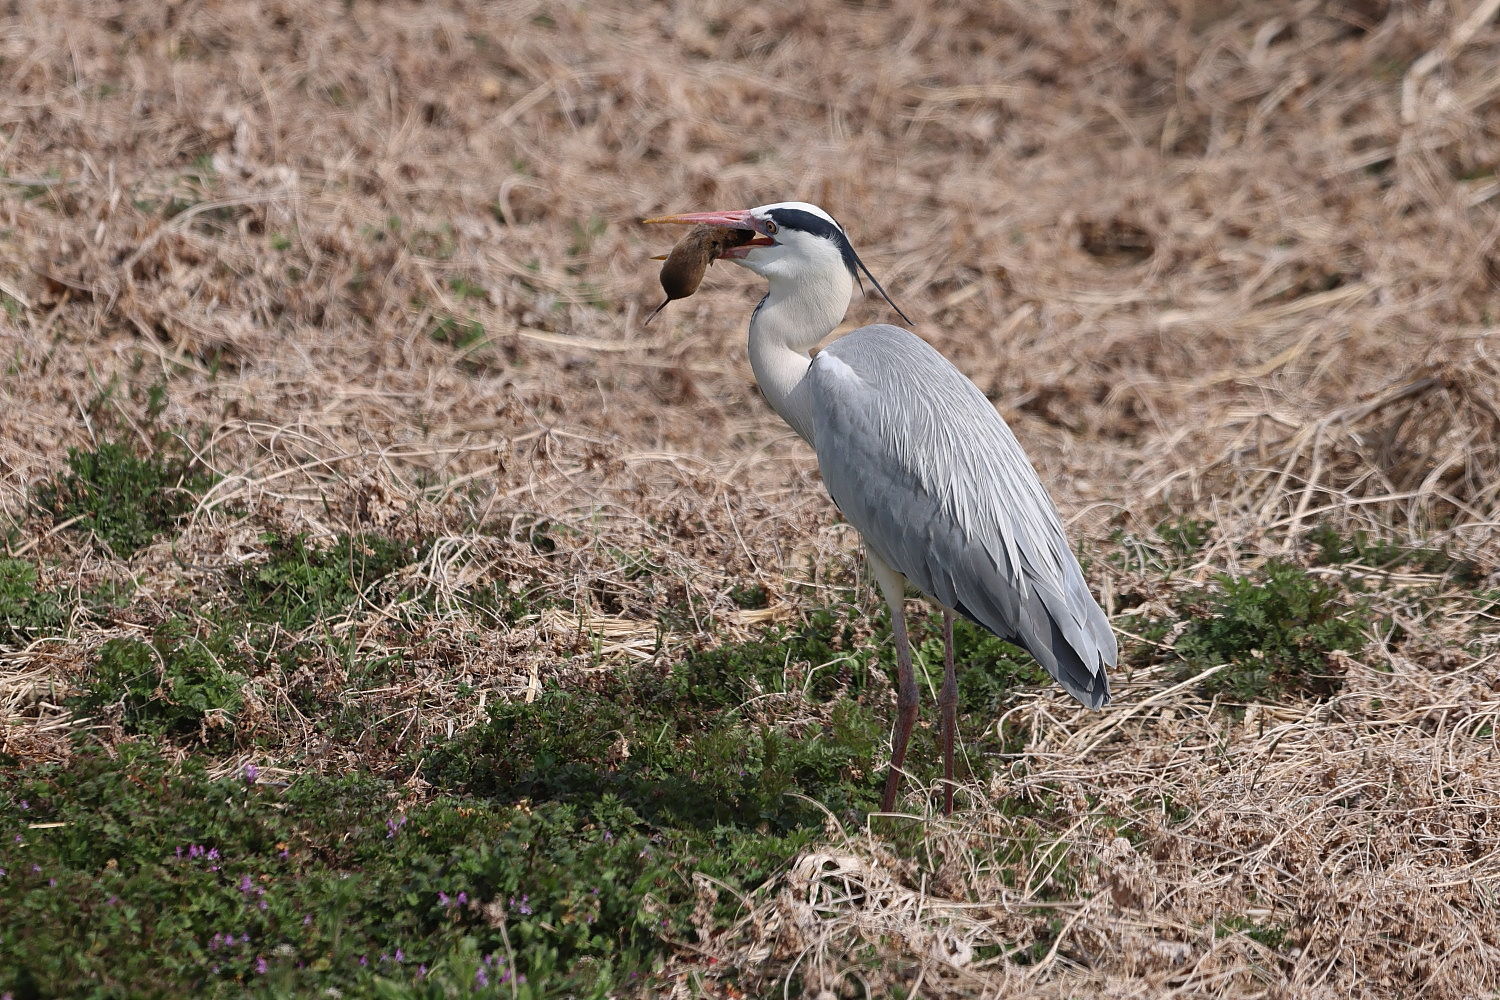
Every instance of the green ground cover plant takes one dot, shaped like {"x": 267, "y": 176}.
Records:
{"x": 125, "y": 499}
{"x": 1276, "y": 628}
{"x": 182, "y": 883}
{"x": 26, "y": 610}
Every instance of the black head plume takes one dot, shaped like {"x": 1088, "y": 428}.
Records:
{"x": 816, "y": 225}
{"x": 877, "y": 284}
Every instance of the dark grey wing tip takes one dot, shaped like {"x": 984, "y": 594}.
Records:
{"x": 1094, "y": 696}
{"x": 1089, "y": 687}
{"x": 1101, "y": 697}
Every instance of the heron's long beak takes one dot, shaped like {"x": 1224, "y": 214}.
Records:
{"x": 738, "y": 219}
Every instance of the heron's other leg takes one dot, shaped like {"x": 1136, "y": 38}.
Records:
{"x": 893, "y": 585}
{"x": 948, "y": 704}
{"x": 906, "y": 707}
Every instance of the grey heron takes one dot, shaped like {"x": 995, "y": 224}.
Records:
{"x": 920, "y": 463}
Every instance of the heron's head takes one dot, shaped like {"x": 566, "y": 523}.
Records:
{"x": 795, "y": 243}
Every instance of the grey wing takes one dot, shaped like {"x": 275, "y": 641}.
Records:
{"x": 919, "y": 461}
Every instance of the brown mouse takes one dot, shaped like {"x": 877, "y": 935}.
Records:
{"x": 686, "y": 264}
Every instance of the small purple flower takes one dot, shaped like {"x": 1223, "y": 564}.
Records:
{"x": 244, "y": 939}
{"x": 36, "y": 869}
{"x": 25, "y": 804}
{"x": 2, "y": 872}
{"x": 363, "y": 960}
{"x": 521, "y": 906}
{"x": 422, "y": 971}
{"x": 400, "y": 955}
{"x": 52, "y": 882}
{"x": 463, "y": 899}
{"x": 260, "y": 966}
{"x": 112, "y": 901}
{"x": 306, "y": 919}
{"x": 392, "y": 825}
{"x": 480, "y": 978}
{"x": 443, "y": 899}
{"x": 262, "y": 905}
{"x": 213, "y": 854}
{"x": 251, "y": 773}
{"x": 246, "y": 885}
{"x": 283, "y": 854}
{"x": 20, "y": 839}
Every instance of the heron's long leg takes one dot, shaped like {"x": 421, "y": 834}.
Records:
{"x": 893, "y": 585}
{"x": 906, "y": 707}
{"x": 948, "y": 704}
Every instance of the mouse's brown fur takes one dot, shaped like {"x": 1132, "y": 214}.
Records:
{"x": 688, "y": 262}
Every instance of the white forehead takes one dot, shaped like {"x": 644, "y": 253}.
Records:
{"x": 765, "y": 210}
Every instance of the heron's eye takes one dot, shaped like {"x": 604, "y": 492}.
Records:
{"x": 771, "y": 228}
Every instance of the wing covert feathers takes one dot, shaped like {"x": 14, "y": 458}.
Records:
{"x": 919, "y": 461}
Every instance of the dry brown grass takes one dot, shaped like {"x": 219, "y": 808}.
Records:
{"x": 1233, "y": 260}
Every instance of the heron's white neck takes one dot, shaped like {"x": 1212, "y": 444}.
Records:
{"x": 789, "y": 322}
